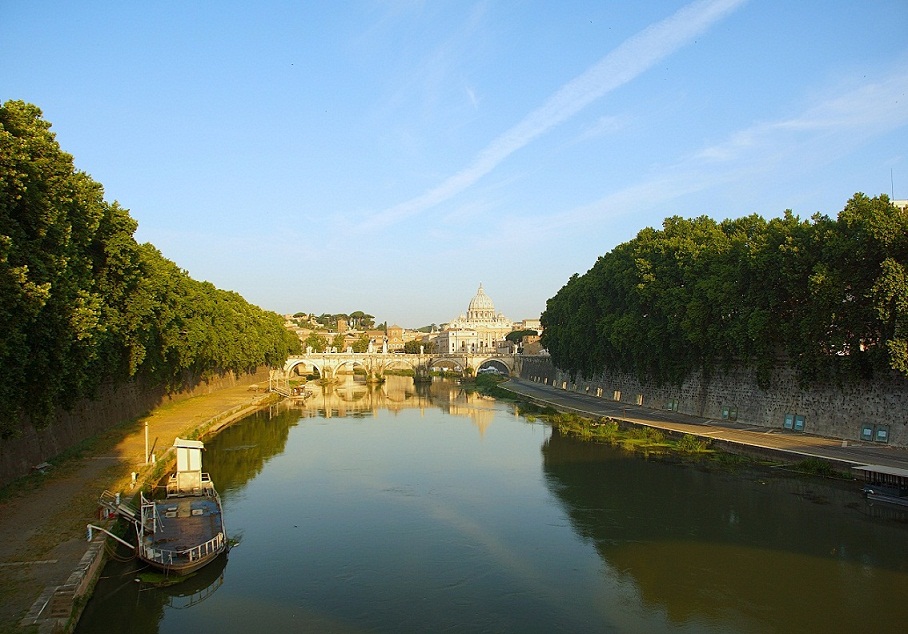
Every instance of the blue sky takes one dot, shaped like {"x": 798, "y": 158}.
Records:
{"x": 390, "y": 156}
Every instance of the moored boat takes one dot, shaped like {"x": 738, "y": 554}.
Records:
{"x": 185, "y": 530}
{"x": 885, "y": 484}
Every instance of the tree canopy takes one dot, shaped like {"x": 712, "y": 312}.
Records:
{"x": 827, "y": 296}
{"x": 516, "y": 336}
{"x": 81, "y": 302}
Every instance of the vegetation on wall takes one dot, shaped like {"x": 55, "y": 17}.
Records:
{"x": 827, "y": 296}
{"x": 81, "y": 302}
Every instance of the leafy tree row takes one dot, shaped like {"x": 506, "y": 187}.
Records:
{"x": 827, "y": 296}
{"x": 81, "y": 302}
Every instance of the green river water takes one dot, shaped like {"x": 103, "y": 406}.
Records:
{"x": 403, "y": 508}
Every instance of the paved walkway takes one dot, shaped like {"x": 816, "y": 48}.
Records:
{"x": 847, "y": 453}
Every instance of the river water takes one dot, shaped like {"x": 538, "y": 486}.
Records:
{"x": 428, "y": 509}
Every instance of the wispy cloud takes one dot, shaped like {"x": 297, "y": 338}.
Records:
{"x": 860, "y": 112}
{"x": 633, "y": 57}
{"x": 471, "y": 94}
{"x": 820, "y": 134}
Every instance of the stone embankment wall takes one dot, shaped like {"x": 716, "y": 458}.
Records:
{"x": 113, "y": 406}
{"x": 872, "y": 411}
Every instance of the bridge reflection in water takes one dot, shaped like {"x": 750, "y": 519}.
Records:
{"x": 354, "y": 397}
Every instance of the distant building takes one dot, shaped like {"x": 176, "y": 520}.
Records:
{"x": 395, "y": 338}
{"x": 479, "y": 330}
{"x": 529, "y": 324}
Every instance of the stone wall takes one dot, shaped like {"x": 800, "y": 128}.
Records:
{"x": 113, "y": 406}
{"x": 863, "y": 411}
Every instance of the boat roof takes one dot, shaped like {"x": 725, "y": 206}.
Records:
{"x": 189, "y": 444}
{"x": 879, "y": 468}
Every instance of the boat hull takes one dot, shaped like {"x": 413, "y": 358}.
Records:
{"x": 883, "y": 497}
{"x": 187, "y": 534}
{"x": 184, "y": 568}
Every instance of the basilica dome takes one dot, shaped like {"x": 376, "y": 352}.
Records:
{"x": 481, "y": 307}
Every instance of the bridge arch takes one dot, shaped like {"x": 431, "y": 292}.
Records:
{"x": 497, "y": 364}
{"x": 327, "y": 364}
{"x": 300, "y": 367}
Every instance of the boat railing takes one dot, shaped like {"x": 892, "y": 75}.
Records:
{"x": 114, "y": 505}
{"x": 206, "y": 486}
{"x": 170, "y": 557}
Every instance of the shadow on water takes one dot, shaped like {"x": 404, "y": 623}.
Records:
{"x": 240, "y": 452}
{"x": 233, "y": 458}
{"x": 756, "y": 548}
{"x": 130, "y": 605}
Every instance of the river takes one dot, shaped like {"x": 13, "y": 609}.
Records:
{"x": 427, "y": 508}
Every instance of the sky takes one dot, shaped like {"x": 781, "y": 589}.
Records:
{"x": 390, "y": 156}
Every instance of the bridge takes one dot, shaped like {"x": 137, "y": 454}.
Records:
{"x": 375, "y": 364}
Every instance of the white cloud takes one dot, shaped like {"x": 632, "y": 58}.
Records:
{"x": 822, "y": 133}
{"x": 630, "y": 59}
{"x": 471, "y": 95}
{"x": 861, "y": 112}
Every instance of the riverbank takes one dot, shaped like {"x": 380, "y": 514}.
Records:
{"x": 47, "y": 566}
{"x": 726, "y": 435}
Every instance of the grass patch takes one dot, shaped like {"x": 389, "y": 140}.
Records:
{"x": 489, "y": 385}
{"x": 817, "y": 467}
{"x": 400, "y": 372}
{"x": 648, "y": 440}
{"x": 692, "y": 444}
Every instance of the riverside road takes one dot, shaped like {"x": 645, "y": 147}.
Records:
{"x": 795, "y": 445}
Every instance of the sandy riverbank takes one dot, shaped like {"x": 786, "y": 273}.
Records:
{"x": 43, "y": 517}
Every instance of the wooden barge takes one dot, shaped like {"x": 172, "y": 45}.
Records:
{"x": 184, "y": 531}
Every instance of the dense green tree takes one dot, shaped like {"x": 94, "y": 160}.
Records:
{"x": 82, "y": 303}
{"x": 516, "y": 336}
{"x": 361, "y": 321}
{"x": 413, "y": 346}
{"x": 829, "y": 297}
{"x": 317, "y": 342}
{"x": 361, "y": 344}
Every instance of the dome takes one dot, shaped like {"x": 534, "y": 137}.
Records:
{"x": 481, "y": 302}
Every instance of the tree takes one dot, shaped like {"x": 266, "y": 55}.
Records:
{"x": 701, "y": 296}
{"x": 82, "y": 302}
{"x": 361, "y": 344}
{"x": 517, "y": 336}
{"x": 413, "y": 346}
{"x": 315, "y": 341}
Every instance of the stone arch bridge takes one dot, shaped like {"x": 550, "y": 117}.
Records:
{"x": 376, "y": 364}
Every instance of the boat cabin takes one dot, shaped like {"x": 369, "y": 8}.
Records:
{"x": 189, "y": 479}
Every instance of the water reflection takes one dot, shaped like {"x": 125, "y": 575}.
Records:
{"x": 400, "y": 517}
{"x": 755, "y": 550}
{"x": 244, "y": 449}
{"x": 356, "y": 398}
{"x": 123, "y": 603}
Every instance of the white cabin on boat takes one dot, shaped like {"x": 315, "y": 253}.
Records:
{"x": 189, "y": 478}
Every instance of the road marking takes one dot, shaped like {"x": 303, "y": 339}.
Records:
{"x": 28, "y": 563}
